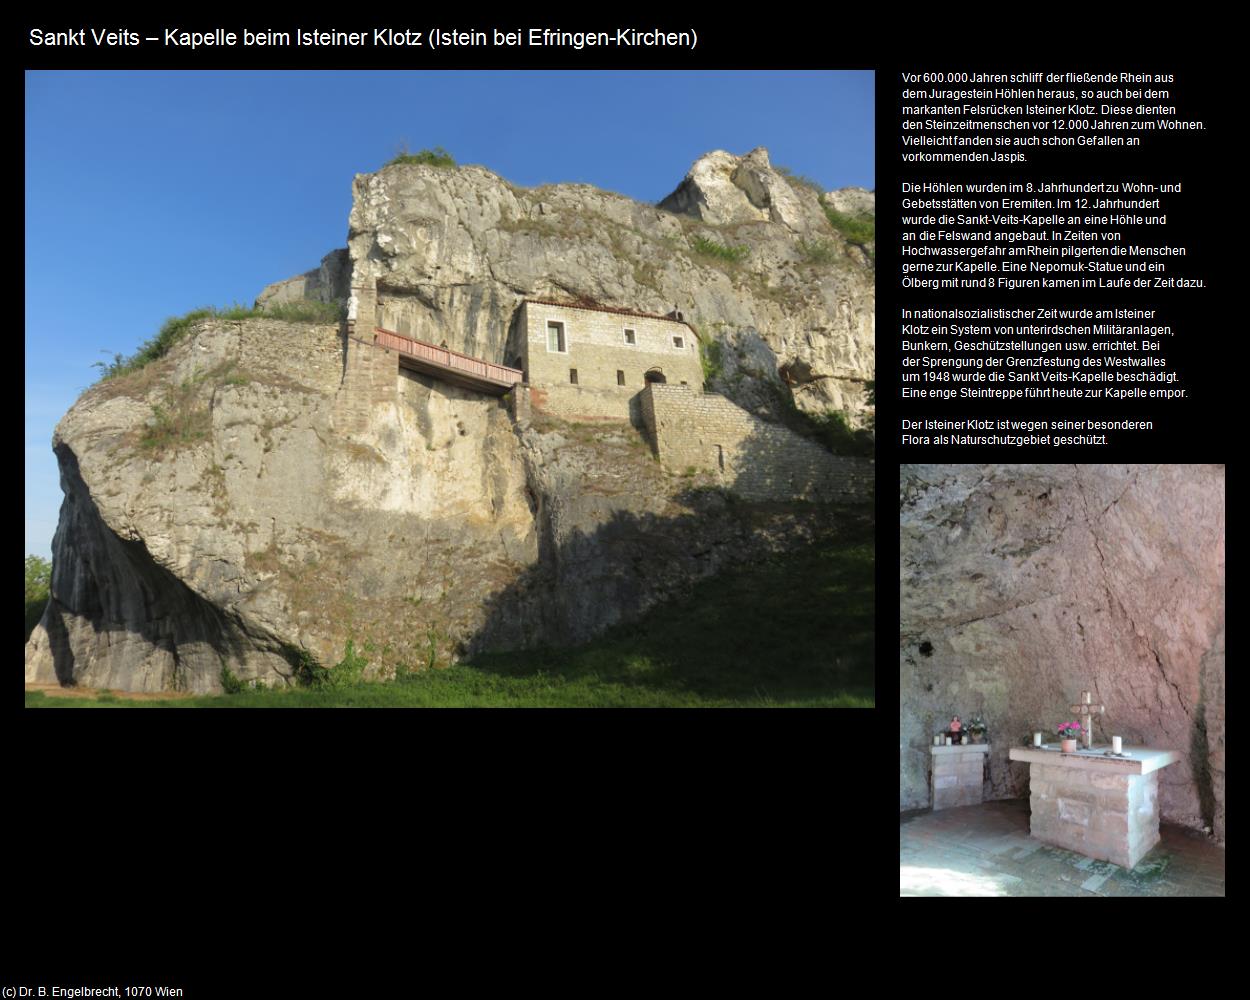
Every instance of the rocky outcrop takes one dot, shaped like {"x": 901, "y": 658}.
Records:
{"x": 330, "y": 282}
{"x": 723, "y": 189}
{"x": 852, "y": 201}
{"x": 269, "y": 491}
{"x": 119, "y": 619}
{"x": 453, "y": 253}
{"x": 224, "y": 469}
{"x": 1023, "y": 585}
{"x": 225, "y": 508}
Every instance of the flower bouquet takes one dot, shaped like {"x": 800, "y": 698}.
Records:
{"x": 1069, "y": 733}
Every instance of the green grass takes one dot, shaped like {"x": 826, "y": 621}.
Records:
{"x": 231, "y": 683}
{"x": 171, "y": 332}
{"x": 436, "y": 157}
{"x": 830, "y": 429}
{"x": 304, "y": 311}
{"x": 818, "y": 251}
{"x": 858, "y": 229}
{"x": 710, "y": 248}
{"x": 181, "y": 419}
{"x": 801, "y": 180}
{"x": 834, "y": 431}
{"x": 794, "y": 632}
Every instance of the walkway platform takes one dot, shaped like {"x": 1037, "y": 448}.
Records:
{"x": 450, "y": 366}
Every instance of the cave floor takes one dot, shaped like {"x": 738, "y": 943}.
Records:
{"x": 986, "y": 850}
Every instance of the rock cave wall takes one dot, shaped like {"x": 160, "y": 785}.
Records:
{"x": 1022, "y": 585}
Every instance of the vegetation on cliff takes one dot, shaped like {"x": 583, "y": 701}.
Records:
{"x": 436, "y": 157}
{"x": 834, "y": 431}
{"x": 858, "y": 229}
{"x": 710, "y": 248}
{"x": 38, "y": 580}
{"x": 712, "y": 357}
{"x": 175, "y": 329}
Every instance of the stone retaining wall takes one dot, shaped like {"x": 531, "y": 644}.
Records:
{"x": 268, "y": 347}
{"x": 576, "y": 403}
{"x": 758, "y": 460}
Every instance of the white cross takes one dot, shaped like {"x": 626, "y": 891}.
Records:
{"x": 1087, "y": 711}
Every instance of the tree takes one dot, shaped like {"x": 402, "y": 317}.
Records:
{"x": 38, "y": 581}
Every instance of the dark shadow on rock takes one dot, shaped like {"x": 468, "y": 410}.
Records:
{"x": 635, "y": 414}
{"x": 771, "y": 463}
{"x": 114, "y": 609}
{"x": 345, "y": 342}
{"x": 1204, "y": 744}
{"x": 789, "y": 614}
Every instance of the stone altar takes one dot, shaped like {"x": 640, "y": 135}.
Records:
{"x": 1103, "y": 807}
{"x": 958, "y": 775}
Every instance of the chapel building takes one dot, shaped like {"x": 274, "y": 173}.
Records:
{"x": 590, "y": 361}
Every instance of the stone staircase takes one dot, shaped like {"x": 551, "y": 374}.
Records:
{"x": 369, "y": 378}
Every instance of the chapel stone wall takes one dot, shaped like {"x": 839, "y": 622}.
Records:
{"x": 595, "y": 347}
{"x": 757, "y": 460}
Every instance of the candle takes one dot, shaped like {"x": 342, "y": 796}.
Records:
{"x": 1115, "y": 745}
{"x": 1037, "y": 739}
{"x": 948, "y": 741}
{"x": 937, "y": 740}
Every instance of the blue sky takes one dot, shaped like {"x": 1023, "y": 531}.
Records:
{"x": 149, "y": 194}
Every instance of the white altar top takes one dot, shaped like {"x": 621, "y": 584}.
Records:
{"x": 1139, "y": 760}
{"x": 961, "y": 748}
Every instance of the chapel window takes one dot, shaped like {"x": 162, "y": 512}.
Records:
{"x": 555, "y": 337}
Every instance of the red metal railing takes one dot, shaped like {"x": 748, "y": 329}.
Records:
{"x": 446, "y": 357}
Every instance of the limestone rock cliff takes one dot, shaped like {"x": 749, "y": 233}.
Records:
{"x": 453, "y": 252}
{"x": 852, "y": 201}
{"x": 223, "y": 509}
{"x": 329, "y": 282}
{"x": 269, "y": 490}
{"x": 1023, "y": 585}
{"x": 723, "y": 189}
{"x": 216, "y": 480}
